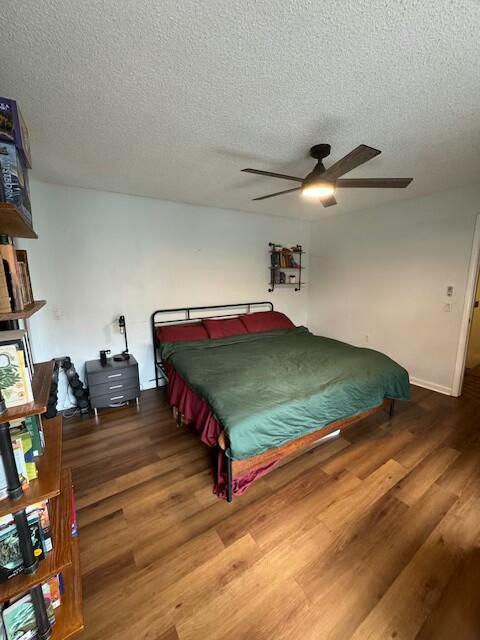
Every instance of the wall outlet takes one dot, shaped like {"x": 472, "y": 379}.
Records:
{"x": 366, "y": 339}
{"x": 447, "y": 307}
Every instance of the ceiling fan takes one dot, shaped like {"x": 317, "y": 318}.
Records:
{"x": 322, "y": 183}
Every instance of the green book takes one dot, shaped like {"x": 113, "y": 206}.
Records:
{"x": 22, "y": 433}
{"x": 34, "y": 427}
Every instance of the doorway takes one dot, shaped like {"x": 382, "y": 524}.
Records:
{"x": 467, "y": 370}
{"x": 471, "y": 381}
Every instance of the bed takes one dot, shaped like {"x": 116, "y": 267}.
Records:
{"x": 262, "y": 390}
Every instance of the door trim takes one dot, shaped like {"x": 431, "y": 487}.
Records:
{"x": 471, "y": 289}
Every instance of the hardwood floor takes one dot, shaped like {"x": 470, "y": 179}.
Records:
{"x": 471, "y": 384}
{"x": 374, "y": 535}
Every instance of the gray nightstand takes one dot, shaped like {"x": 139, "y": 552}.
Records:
{"x": 113, "y": 384}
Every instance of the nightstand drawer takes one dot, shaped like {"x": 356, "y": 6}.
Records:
{"x": 113, "y": 376}
{"x": 114, "y": 386}
{"x": 114, "y": 397}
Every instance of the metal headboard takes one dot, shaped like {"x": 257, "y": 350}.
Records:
{"x": 184, "y": 315}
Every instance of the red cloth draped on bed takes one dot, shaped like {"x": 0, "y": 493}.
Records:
{"x": 200, "y": 416}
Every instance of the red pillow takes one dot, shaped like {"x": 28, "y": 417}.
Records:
{"x": 224, "y": 328}
{"x": 266, "y": 321}
{"x": 176, "y": 332}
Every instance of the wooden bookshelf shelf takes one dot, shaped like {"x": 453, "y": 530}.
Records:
{"x": 61, "y": 554}
{"x": 69, "y": 616}
{"x": 28, "y": 311}
{"x": 41, "y": 382}
{"x": 13, "y": 223}
{"x": 47, "y": 485}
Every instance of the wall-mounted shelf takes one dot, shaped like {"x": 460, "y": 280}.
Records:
{"x": 13, "y": 223}
{"x": 285, "y": 259}
{"x": 28, "y": 311}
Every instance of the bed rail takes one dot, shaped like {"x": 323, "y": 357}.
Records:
{"x": 183, "y": 315}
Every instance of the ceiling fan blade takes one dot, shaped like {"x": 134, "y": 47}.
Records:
{"x": 328, "y": 201}
{"x": 279, "y": 193}
{"x": 354, "y": 159}
{"x": 272, "y": 175}
{"x": 375, "y": 183}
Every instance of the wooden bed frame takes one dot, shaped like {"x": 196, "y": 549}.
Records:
{"x": 280, "y": 455}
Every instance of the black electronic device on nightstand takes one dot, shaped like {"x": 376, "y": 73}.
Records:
{"x": 112, "y": 384}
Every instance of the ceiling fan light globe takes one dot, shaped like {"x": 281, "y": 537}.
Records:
{"x": 319, "y": 189}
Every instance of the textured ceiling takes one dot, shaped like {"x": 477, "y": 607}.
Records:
{"x": 172, "y": 98}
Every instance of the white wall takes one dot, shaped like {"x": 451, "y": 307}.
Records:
{"x": 383, "y": 273}
{"x": 102, "y": 254}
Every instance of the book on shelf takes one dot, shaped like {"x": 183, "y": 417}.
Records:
{"x": 74, "y": 523}
{"x": 21, "y": 468}
{"x": 40, "y": 510}
{"x": 13, "y": 129}
{"x": 24, "y": 273}
{"x": 15, "y": 180}
{"x": 15, "y": 381}
{"x": 19, "y": 615}
{"x": 11, "y": 563}
{"x": 33, "y": 424}
{"x": 5, "y": 300}
{"x": 8, "y": 259}
{"x": 19, "y": 338}
{"x": 38, "y": 519}
{"x": 23, "y": 434}
{"x": 20, "y": 465}
{"x": 27, "y": 443}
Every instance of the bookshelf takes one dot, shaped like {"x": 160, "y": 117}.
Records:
{"x": 47, "y": 485}
{"x": 61, "y": 554}
{"x": 284, "y": 259}
{"x": 53, "y": 484}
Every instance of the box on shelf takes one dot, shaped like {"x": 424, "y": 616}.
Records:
{"x": 15, "y": 180}
{"x": 13, "y": 129}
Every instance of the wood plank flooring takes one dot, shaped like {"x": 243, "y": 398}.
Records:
{"x": 372, "y": 536}
{"x": 471, "y": 384}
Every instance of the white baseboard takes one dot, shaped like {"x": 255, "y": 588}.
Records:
{"x": 432, "y": 386}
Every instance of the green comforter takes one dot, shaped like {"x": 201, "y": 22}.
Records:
{"x": 269, "y": 388}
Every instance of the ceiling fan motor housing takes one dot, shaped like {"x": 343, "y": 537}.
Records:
{"x": 320, "y": 151}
